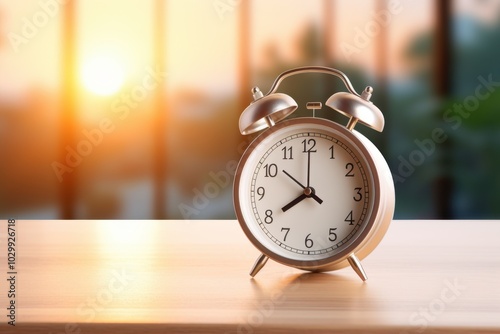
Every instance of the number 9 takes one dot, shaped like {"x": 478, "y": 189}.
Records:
{"x": 261, "y": 192}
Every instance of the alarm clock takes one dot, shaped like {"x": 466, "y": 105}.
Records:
{"x": 308, "y": 192}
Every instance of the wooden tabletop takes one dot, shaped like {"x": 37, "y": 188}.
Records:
{"x": 192, "y": 276}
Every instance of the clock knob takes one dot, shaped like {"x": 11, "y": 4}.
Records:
{"x": 358, "y": 108}
{"x": 265, "y": 111}
{"x": 314, "y": 106}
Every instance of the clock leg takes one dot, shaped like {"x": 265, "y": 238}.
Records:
{"x": 261, "y": 261}
{"x": 356, "y": 265}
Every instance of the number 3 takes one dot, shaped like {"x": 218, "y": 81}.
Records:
{"x": 358, "y": 195}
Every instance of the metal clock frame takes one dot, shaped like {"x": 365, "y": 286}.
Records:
{"x": 266, "y": 110}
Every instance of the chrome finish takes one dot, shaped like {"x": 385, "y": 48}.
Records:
{"x": 258, "y": 265}
{"x": 313, "y": 69}
{"x": 265, "y": 111}
{"x": 256, "y": 93}
{"x": 269, "y": 121}
{"x": 358, "y": 107}
{"x": 352, "y": 123}
{"x": 356, "y": 265}
{"x": 374, "y": 229}
{"x": 367, "y": 93}
{"x": 313, "y": 106}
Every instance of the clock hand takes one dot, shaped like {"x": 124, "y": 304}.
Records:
{"x": 313, "y": 195}
{"x": 316, "y": 198}
{"x": 294, "y": 202}
{"x": 309, "y": 191}
{"x": 300, "y": 184}
{"x": 308, "y": 167}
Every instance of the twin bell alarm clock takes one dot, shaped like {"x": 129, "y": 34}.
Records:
{"x": 308, "y": 192}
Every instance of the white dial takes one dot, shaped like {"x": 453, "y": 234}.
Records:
{"x": 306, "y": 190}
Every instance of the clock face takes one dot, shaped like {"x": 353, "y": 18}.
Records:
{"x": 306, "y": 190}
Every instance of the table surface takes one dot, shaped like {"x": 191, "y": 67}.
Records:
{"x": 192, "y": 276}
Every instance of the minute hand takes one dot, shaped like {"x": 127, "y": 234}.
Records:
{"x": 308, "y": 167}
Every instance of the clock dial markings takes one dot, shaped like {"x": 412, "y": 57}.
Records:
{"x": 346, "y": 169}
{"x": 330, "y": 228}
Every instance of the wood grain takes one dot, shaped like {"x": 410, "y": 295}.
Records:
{"x": 192, "y": 276}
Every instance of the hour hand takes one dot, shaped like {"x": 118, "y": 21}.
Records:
{"x": 294, "y": 202}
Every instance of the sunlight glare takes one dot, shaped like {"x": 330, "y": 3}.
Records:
{"x": 102, "y": 75}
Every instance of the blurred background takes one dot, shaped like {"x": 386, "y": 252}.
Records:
{"x": 129, "y": 109}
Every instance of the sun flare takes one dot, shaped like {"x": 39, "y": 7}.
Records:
{"x": 102, "y": 75}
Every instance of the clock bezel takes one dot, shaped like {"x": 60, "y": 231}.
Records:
{"x": 368, "y": 225}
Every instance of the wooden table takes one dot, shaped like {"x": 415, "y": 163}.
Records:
{"x": 192, "y": 276}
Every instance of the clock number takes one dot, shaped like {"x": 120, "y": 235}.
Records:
{"x": 350, "y": 168}
{"x": 309, "y": 242}
{"x": 261, "y": 192}
{"x": 332, "y": 234}
{"x": 349, "y": 219}
{"x": 358, "y": 196}
{"x": 331, "y": 153}
{"x": 312, "y": 143}
{"x": 269, "y": 217}
{"x": 271, "y": 170}
{"x": 287, "y": 153}
{"x": 287, "y": 229}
